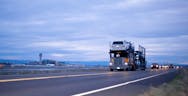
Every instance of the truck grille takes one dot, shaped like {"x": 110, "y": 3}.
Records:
{"x": 118, "y": 61}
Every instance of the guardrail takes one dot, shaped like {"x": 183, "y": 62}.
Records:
{"x": 39, "y": 70}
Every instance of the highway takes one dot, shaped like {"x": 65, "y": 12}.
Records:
{"x": 123, "y": 83}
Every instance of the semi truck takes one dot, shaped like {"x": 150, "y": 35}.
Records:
{"x": 123, "y": 56}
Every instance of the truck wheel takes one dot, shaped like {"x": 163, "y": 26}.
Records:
{"x": 127, "y": 69}
{"x": 111, "y": 70}
{"x": 133, "y": 68}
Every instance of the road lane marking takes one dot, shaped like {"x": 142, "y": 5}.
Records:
{"x": 50, "y": 77}
{"x": 118, "y": 85}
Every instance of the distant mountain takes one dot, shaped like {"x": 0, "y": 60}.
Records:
{"x": 88, "y": 63}
{"x": 14, "y": 61}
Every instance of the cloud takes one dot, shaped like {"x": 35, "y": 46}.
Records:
{"x": 126, "y": 4}
{"x": 25, "y": 23}
{"x": 186, "y": 62}
{"x": 81, "y": 18}
{"x": 70, "y": 30}
{"x": 58, "y": 55}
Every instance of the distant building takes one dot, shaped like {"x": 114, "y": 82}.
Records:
{"x": 49, "y": 62}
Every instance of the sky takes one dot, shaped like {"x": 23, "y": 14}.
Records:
{"x": 81, "y": 30}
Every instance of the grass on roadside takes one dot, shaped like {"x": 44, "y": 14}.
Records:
{"x": 178, "y": 87}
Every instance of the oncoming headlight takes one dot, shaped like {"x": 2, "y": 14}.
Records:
{"x": 126, "y": 63}
{"x": 151, "y": 65}
{"x": 110, "y": 64}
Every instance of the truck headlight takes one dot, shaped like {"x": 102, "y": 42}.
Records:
{"x": 110, "y": 64}
{"x": 151, "y": 65}
{"x": 126, "y": 63}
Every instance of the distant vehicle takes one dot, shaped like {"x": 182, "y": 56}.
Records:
{"x": 154, "y": 66}
{"x": 2, "y": 65}
{"x": 171, "y": 66}
{"x": 124, "y": 57}
{"x": 177, "y": 67}
{"x": 161, "y": 66}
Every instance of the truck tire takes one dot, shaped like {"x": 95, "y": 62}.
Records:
{"x": 133, "y": 68}
{"x": 111, "y": 70}
{"x": 127, "y": 69}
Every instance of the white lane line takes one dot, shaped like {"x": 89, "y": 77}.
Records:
{"x": 118, "y": 85}
{"x": 50, "y": 77}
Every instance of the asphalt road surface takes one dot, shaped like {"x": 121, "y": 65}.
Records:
{"x": 124, "y": 83}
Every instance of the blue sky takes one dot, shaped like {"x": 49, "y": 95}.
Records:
{"x": 80, "y": 30}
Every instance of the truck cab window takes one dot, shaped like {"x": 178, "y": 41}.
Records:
{"x": 111, "y": 54}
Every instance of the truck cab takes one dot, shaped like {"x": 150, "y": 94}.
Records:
{"x": 119, "y": 60}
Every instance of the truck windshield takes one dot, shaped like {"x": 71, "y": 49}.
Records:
{"x": 118, "y": 42}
